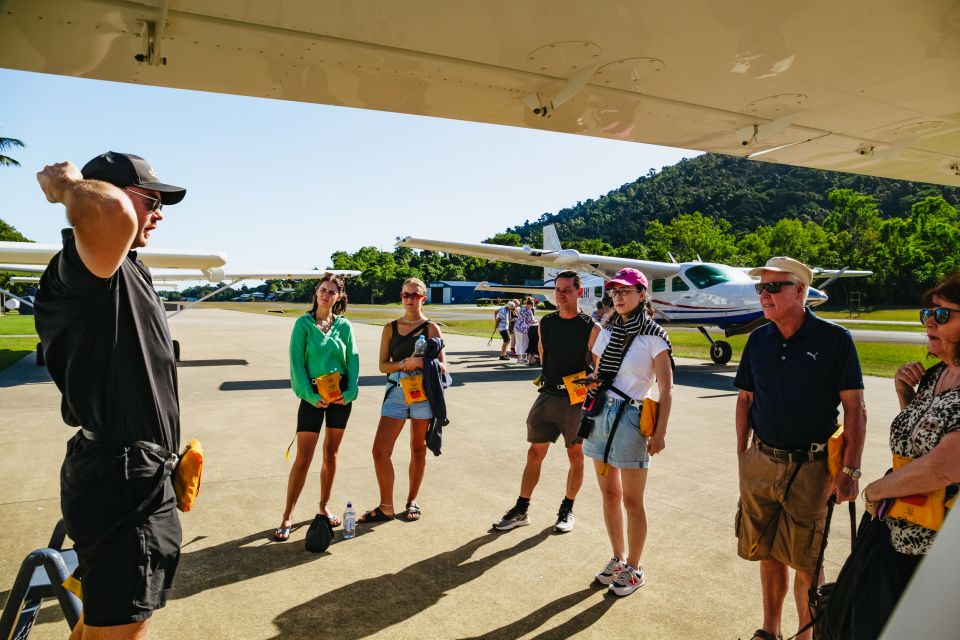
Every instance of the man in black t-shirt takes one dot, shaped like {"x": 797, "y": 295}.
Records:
{"x": 109, "y": 351}
{"x": 566, "y": 338}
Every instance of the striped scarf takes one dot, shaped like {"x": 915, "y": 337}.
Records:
{"x": 620, "y": 330}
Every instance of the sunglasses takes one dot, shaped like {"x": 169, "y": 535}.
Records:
{"x": 156, "y": 206}
{"x": 940, "y": 315}
{"x": 771, "y": 287}
{"x": 410, "y": 296}
{"x": 621, "y": 292}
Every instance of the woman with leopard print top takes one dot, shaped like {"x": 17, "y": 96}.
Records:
{"x": 927, "y": 429}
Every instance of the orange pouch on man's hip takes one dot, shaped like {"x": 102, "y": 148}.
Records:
{"x": 576, "y": 392}
{"x": 186, "y": 476}
{"x": 835, "y": 451}
{"x": 413, "y": 389}
{"x": 925, "y": 509}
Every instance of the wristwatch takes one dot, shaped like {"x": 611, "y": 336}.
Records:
{"x": 853, "y": 473}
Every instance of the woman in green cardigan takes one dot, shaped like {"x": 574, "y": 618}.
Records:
{"x": 322, "y": 343}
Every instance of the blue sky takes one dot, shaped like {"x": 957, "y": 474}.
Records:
{"x": 281, "y": 185}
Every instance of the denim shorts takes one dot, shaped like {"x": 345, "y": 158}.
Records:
{"x": 394, "y": 404}
{"x": 629, "y": 450}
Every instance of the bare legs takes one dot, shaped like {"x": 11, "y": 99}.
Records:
{"x": 774, "y": 582}
{"x": 306, "y": 446}
{"x": 388, "y": 430}
{"x": 622, "y": 490}
{"x": 531, "y": 471}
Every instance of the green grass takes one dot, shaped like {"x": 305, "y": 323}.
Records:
{"x": 901, "y": 315}
{"x": 12, "y": 324}
{"x": 12, "y": 349}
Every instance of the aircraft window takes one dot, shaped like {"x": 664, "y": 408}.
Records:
{"x": 598, "y": 292}
{"x": 658, "y": 285}
{"x": 704, "y": 276}
{"x": 679, "y": 285}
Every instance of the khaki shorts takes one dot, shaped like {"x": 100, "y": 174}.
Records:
{"x": 552, "y": 416}
{"x": 769, "y": 528}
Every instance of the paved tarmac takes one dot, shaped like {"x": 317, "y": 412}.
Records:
{"x": 447, "y": 576}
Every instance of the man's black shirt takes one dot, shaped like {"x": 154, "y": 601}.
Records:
{"x": 108, "y": 349}
{"x": 565, "y": 347}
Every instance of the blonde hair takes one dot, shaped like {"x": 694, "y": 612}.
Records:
{"x": 422, "y": 288}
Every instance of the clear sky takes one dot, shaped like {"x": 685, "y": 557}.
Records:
{"x": 282, "y": 185}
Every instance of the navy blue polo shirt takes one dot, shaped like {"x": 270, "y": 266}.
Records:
{"x": 796, "y": 381}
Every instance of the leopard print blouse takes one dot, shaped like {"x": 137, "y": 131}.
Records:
{"x": 915, "y": 432}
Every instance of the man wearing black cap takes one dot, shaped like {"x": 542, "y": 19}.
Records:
{"x": 109, "y": 351}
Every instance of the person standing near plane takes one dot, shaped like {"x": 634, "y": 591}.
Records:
{"x": 521, "y": 329}
{"x": 792, "y": 375}
{"x": 108, "y": 348}
{"x": 566, "y": 337}
{"x": 404, "y": 369}
{"x": 631, "y": 351}
{"x": 321, "y": 344}
{"x": 502, "y": 319}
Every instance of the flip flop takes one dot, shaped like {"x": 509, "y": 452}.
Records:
{"x": 281, "y": 534}
{"x": 374, "y": 515}
{"x": 765, "y": 635}
{"x": 413, "y": 511}
{"x": 334, "y": 521}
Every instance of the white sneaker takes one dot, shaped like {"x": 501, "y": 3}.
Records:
{"x": 627, "y": 581}
{"x": 565, "y": 521}
{"x": 609, "y": 572}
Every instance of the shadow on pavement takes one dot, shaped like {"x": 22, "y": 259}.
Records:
{"x": 225, "y": 362}
{"x": 706, "y": 376}
{"x": 369, "y": 606}
{"x": 536, "y": 619}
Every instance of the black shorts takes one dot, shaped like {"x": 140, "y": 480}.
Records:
{"x": 505, "y": 335}
{"x": 310, "y": 418}
{"x": 125, "y": 580}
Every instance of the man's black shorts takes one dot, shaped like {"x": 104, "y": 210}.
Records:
{"x": 505, "y": 335}
{"x": 310, "y": 418}
{"x": 125, "y": 580}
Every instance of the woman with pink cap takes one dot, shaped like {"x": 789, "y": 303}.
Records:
{"x": 631, "y": 352}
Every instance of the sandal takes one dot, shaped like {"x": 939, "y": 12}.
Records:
{"x": 765, "y": 635}
{"x": 413, "y": 511}
{"x": 374, "y": 515}
{"x": 334, "y": 521}
{"x": 281, "y": 534}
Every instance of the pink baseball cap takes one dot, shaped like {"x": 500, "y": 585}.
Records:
{"x": 628, "y": 278}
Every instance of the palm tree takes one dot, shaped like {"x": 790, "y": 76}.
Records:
{"x": 9, "y": 143}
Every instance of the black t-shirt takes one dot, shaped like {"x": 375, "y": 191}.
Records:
{"x": 565, "y": 346}
{"x": 108, "y": 349}
{"x": 796, "y": 381}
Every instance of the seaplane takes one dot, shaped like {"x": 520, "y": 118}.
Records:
{"x": 686, "y": 294}
{"x": 867, "y": 89}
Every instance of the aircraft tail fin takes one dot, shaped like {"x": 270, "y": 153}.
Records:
{"x": 551, "y": 241}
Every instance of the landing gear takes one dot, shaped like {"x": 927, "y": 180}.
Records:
{"x": 720, "y": 350}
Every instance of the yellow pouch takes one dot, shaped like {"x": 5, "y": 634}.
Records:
{"x": 328, "y": 386}
{"x": 186, "y": 477}
{"x": 648, "y": 417}
{"x": 925, "y": 509}
{"x": 413, "y": 389}
{"x": 835, "y": 447}
{"x": 577, "y": 392}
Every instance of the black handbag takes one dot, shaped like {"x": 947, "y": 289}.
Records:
{"x": 319, "y": 535}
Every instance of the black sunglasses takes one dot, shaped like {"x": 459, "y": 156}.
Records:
{"x": 940, "y": 315}
{"x": 771, "y": 287}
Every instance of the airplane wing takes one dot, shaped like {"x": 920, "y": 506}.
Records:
{"x": 524, "y": 291}
{"x": 212, "y": 274}
{"x": 36, "y": 253}
{"x": 792, "y": 84}
{"x": 562, "y": 259}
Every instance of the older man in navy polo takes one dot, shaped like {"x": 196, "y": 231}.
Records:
{"x": 794, "y": 373}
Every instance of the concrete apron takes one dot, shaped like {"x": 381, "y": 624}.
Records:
{"x": 449, "y": 575}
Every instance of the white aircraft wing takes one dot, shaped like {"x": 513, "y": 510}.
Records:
{"x": 219, "y": 275}
{"x": 822, "y": 84}
{"x": 36, "y": 253}
{"x": 520, "y": 290}
{"x": 562, "y": 259}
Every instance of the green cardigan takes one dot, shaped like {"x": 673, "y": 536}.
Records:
{"x": 313, "y": 354}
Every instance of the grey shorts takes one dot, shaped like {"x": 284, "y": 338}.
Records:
{"x": 552, "y": 416}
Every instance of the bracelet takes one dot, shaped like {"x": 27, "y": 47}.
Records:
{"x": 866, "y": 500}
{"x": 401, "y": 365}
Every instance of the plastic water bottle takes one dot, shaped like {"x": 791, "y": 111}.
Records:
{"x": 349, "y": 522}
{"x": 420, "y": 347}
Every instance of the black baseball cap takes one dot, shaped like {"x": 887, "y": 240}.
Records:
{"x": 128, "y": 170}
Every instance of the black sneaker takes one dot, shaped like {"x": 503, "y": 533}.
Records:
{"x": 565, "y": 521}
{"x": 516, "y": 517}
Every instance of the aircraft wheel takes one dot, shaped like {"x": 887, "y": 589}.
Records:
{"x": 721, "y": 352}
{"x": 40, "y": 360}
{"x": 176, "y": 350}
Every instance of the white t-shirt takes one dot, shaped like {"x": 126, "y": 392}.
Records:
{"x": 636, "y": 375}
{"x": 503, "y": 318}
